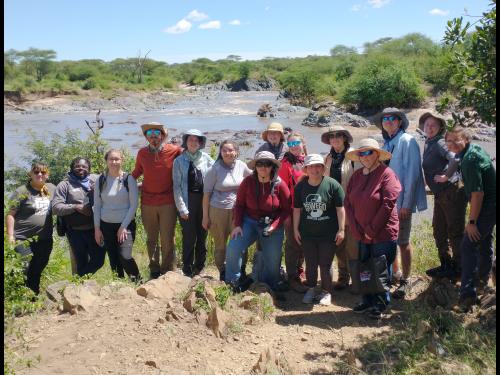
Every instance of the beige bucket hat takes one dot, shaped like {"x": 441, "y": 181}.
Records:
{"x": 436, "y": 115}
{"x": 325, "y": 137}
{"x": 368, "y": 144}
{"x": 263, "y": 155}
{"x": 274, "y": 127}
{"x": 154, "y": 125}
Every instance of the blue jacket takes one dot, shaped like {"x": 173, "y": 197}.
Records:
{"x": 180, "y": 179}
{"x": 406, "y": 163}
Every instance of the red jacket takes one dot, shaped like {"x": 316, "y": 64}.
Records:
{"x": 276, "y": 206}
{"x": 370, "y": 205}
{"x": 290, "y": 174}
{"x": 157, "y": 187}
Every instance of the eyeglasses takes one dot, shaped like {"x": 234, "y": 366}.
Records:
{"x": 293, "y": 143}
{"x": 265, "y": 164}
{"x": 336, "y": 135}
{"x": 365, "y": 153}
{"x": 390, "y": 118}
{"x": 151, "y": 132}
{"x": 38, "y": 172}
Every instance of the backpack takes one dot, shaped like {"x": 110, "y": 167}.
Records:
{"x": 102, "y": 180}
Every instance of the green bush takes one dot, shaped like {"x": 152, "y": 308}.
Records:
{"x": 89, "y": 84}
{"x": 382, "y": 82}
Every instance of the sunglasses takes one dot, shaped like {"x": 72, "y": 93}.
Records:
{"x": 293, "y": 143}
{"x": 38, "y": 172}
{"x": 390, "y": 118}
{"x": 266, "y": 164}
{"x": 151, "y": 132}
{"x": 365, "y": 153}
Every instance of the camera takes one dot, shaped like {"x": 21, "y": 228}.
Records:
{"x": 265, "y": 224}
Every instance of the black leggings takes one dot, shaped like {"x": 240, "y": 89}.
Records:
{"x": 41, "y": 250}
{"x": 120, "y": 254}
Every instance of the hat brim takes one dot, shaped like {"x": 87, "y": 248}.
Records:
{"x": 251, "y": 163}
{"x": 325, "y": 137}
{"x": 382, "y": 154}
{"x": 315, "y": 163}
{"x": 426, "y": 115}
{"x": 264, "y": 134}
{"x": 404, "y": 120}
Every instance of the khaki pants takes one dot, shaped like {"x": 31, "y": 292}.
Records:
{"x": 160, "y": 220}
{"x": 221, "y": 225}
{"x": 347, "y": 250}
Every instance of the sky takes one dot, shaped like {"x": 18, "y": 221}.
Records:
{"x": 177, "y": 31}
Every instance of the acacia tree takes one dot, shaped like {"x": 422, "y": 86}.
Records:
{"x": 474, "y": 65}
{"x": 37, "y": 61}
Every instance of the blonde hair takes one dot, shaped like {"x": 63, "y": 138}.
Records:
{"x": 462, "y": 132}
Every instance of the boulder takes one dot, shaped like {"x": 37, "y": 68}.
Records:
{"x": 78, "y": 298}
{"x": 190, "y": 302}
{"x": 166, "y": 286}
{"x": 54, "y": 291}
{"x": 269, "y": 363}
{"x": 217, "y": 321}
{"x": 247, "y": 302}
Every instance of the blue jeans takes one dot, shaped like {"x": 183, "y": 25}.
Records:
{"x": 477, "y": 257}
{"x": 388, "y": 249}
{"x": 266, "y": 267}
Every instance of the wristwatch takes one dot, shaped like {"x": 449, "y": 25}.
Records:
{"x": 472, "y": 221}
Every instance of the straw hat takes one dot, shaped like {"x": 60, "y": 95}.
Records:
{"x": 313, "y": 159}
{"x": 154, "y": 125}
{"x": 392, "y": 111}
{"x": 274, "y": 127}
{"x": 196, "y": 132}
{"x": 325, "y": 137}
{"x": 263, "y": 155}
{"x": 368, "y": 144}
{"x": 437, "y": 116}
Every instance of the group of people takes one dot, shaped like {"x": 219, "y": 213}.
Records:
{"x": 355, "y": 203}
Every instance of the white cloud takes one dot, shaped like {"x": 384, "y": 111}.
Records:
{"x": 356, "y": 7}
{"x": 183, "y": 26}
{"x": 378, "y": 3}
{"x": 235, "y": 22}
{"x": 210, "y": 25}
{"x": 439, "y": 12}
{"x": 196, "y": 16}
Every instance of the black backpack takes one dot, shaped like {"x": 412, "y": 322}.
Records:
{"x": 102, "y": 180}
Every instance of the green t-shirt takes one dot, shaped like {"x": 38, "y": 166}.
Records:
{"x": 33, "y": 213}
{"x": 479, "y": 174}
{"x": 318, "y": 218}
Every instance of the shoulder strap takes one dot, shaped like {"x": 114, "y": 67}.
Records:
{"x": 102, "y": 180}
{"x": 125, "y": 180}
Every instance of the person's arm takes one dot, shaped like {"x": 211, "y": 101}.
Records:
{"x": 296, "y": 222}
{"x": 453, "y": 163}
{"x": 240, "y": 203}
{"x": 208, "y": 187}
{"x": 133, "y": 198}
{"x": 339, "y": 237}
{"x": 177, "y": 176}
{"x": 285, "y": 204}
{"x": 354, "y": 227}
{"x": 205, "y": 223}
{"x": 9, "y": 225}
{"x": 476, "y": 203}
{"x": 413, "y": 170}
{"x": 59, "y": 205}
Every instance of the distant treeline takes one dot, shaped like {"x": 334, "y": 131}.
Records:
{"x": 397, "y": 72}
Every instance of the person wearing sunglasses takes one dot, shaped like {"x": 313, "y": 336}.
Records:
{"x": 73, "y": 201}
{"x": 443, "y": 179}
{"x": 159, "y": 215}
{"x": 274, "y": 140}
{"x": 406, "y": 163}
{"x": 371, "y": 210}
{"x": 29, "y": 222}
{"x": 479, "y": 178}
{"x": 219, "y": 195}
{"x": 189, "y": 172}
{"x": 319, "y": 226}
{"x": 341, "y": 169}
{"x": 291, "y": 173}
{"x": 262, "y": 206}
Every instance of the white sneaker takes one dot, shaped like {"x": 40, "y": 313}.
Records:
{"x": 324, "y": 298}
{"x": 309, "y": 296}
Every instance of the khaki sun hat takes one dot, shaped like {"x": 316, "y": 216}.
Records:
{"x": 274, "y": 127}
{"x": 313, "y": 159}
{"x": 393, "y": 111}
{"x": 325, "y": 137}
{"x": 263, "y": 155}
{"x": 437, "y": 116}
{"x": 368, "y": 144}
{"x": 154, "y": 125}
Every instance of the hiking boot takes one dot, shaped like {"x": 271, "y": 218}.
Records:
{"x": 375, "y": 313}
{"x": 281, "y": 286}
{"x": 401, "y": 290}
{"x": 433, "y": 272}
{"x": 297, "y": 286}
{"x": 465, "y": 304}
{"x": 449, "y": 273}
{"x": 222, "y": 275}
{"x": 324, "y": 298}
{"x": 341, "y": 284}
{"x": 309, "y": 296}
{"x": 396, "y": 277}
{"x": 154, "y": 275}
{"x": 361, "y": 307}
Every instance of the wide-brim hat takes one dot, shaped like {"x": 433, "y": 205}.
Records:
{"x": 154, "y": 125}
{"x": 263, "y": 155}
{"x": 312, "y": 159}
{"x": 196, "y": 132}
{"x": 368, "y": 144}
{"x": 274, "y": 127}
{"x": 437, "y": 116}
{"x": 393, "y": 111}
{"x": 325, "y": 137}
